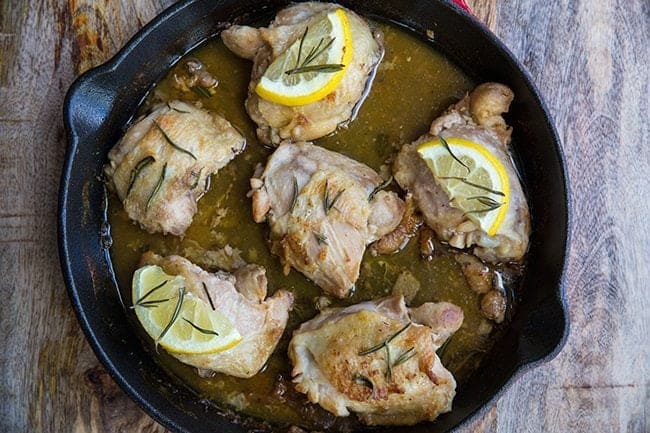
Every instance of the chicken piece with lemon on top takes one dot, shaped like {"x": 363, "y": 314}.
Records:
{"x": 311, "y": 67}
{"x": 220, "y": 321}
{"x": 463, "y": 179}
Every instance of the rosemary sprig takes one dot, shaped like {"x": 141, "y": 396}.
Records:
{"x": 385, "y": 342}
{"x": 201, "y": 330}
{"x": 205, "y": 289}
{"x": 475, "y": 185}
{"x": 313, "y": 54}
{"x": 327, "y": 204}
{"x": 379, "y": 188}
{"x": 137, "y": 170}
{"x": 150, "y": 292}
{"x": 362, "y": 380}
{"x": 177, "y": 310}
{"x": 157, "y": 187}
{"x": 295, "y": 193}
{"x": 410, "y": 353}
{"x": 171, "y": 143}
{"x": 321, "y": 239}
{"x": 446, "y": 145}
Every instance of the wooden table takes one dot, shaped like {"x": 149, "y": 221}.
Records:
{"x": 590, "y": 60}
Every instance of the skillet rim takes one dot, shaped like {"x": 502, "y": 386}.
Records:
{"x": 73, "y": 144}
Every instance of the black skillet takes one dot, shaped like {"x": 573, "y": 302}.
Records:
{"x": 100, "y": 103}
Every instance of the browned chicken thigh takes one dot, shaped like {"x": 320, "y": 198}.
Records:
{"x": 277, "y": 122}
{"x": 477, "y": 118}
{"x": 323, "y": 209}
{"x": 162, "y": 165}
{"x": 377, "y": 359}
{"x": 241, "y": 297}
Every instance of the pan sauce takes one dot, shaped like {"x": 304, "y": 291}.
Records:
{"x": 413, "y": 85}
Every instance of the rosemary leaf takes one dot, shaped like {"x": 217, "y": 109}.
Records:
{"x": 302, "y": 41}
{"x": 327, "y": 204}
{"x": 379, "y": 188}
{"x": 157, "y": 187}
{"x": 201, "y": 330}
{"x": 488, "y": 201}
{"x": 326, "y": 197}
{"x": 179, "y": 303}
{"x": 295, "y": 193}
{"x": 136, "y": 171}
{"x": 326, "y": 68}
{"x": 372, "y": 349}
{"x": 362, "y": 380}
{"x": 331, "y": 205}
{"x": 171, "y": 143}
{"x": 475, "y": 185}
{"x": 205, "y": 289}
{"x": 146, "y": 295}
{"x": 149, "y": 304}
{"x": 398, "y": 332}
{"x": 389, "y": 367}
{"x": 321, "y": 239}
{"x": 201, "y": 91}
{"x": 198, "y": 177}
{"x": 316, "y": 52}
{"x": 410, "y": 353}
{"x": 446, "y": 145}
{"x": 176, "y": 109}
{"x": 442, "y": 349}
{"x": 487, "y": 209}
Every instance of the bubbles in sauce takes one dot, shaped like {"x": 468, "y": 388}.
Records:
{"x": 413, "y": 84}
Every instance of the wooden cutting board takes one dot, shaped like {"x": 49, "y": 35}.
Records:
{"x": 590, "y": 60}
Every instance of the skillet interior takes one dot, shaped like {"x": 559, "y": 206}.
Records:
{"x": 101, "y": 102}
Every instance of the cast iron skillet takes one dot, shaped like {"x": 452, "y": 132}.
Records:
{"x": 100, "y": 103}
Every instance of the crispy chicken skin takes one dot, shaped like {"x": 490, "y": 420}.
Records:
{"x": 332, "y": 366}
{"x": 477, "y": 117}
{"x": 242, "y": 299}
{"x": 159, "y": 184}
{"x": 325, "y": 244}
{"x": 278, "y": 122}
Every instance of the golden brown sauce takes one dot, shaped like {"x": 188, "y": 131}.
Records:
{"x": 413, "y": 85}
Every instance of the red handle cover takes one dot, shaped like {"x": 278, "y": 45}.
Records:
{"x": 463, "y": 5}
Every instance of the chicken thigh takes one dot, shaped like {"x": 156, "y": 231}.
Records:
{"x": 477, "y": 118}
{"x": 323, "y": 209}
{"x": 162, "y": 165}
{"x": 277, "y": 122}
{"x": 377, "y": 359}
{"x": 241, "y": 297}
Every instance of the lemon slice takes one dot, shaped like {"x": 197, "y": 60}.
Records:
{"x": 160, "y": 300}
{"x": 473, "y": 178}
{"x": 312, "y": 66}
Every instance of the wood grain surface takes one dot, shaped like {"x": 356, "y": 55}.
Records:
{"x": 590, "y": 60}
